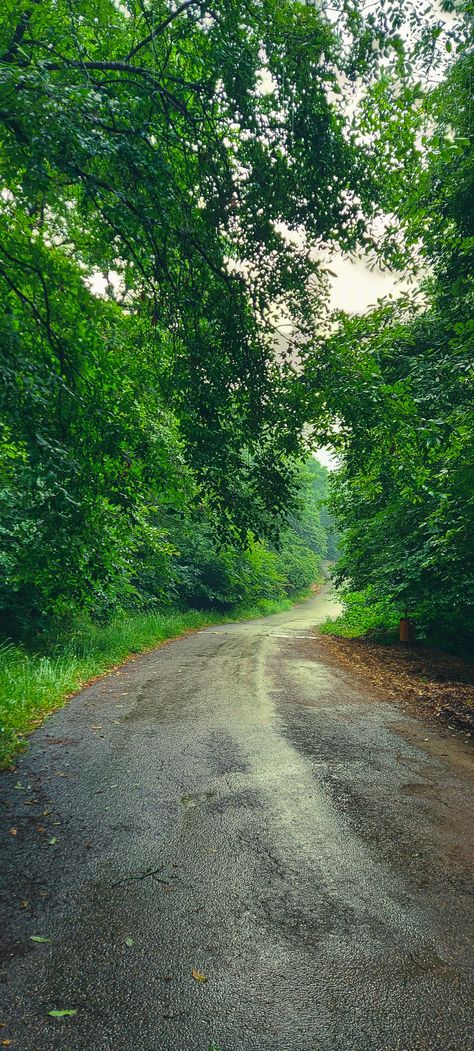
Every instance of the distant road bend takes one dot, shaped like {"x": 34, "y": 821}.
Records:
{"x": 234, "y": 806}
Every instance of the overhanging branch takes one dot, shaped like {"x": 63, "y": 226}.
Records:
{"x": 161, "y": 27}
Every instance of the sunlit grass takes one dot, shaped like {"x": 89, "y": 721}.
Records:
{"x": 32, "y": 685}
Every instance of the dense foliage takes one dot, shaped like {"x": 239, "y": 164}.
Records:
{"x": 404, "y": 498}
{"x": 218, "y": 577}
{"x": 172, "y": 177}
{"x": 154, "y": 161}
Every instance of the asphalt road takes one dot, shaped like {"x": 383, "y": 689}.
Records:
{"x": 231, "y": 804}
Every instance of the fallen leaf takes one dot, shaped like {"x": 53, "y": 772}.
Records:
{"x": 41, "y": 828}
{"x": 52, "y": 841}
{"x": 46, "y": 813}
{"x": 6, "y": 1043}
{"x": 99, "y": 727}
{"x": 129, "y": 941}
{"x": 13, "y": 831}
{"x": 62, "y": 1014}
{"x": 24, "y": 904}
{"x": 198, "y": 976}
{"x": 38, "y": 938}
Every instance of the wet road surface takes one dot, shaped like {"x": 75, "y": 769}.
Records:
{"x": 234, "y": 805}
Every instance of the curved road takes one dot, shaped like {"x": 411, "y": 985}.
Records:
{"x": 231, "y": 804}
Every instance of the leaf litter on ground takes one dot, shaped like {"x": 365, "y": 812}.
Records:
{"x": 439, "y": 682}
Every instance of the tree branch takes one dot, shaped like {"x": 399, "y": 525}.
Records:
{"x": 122, "y": 67}
{"x": 17, "y": 38}
{"x": 160, "y": 29}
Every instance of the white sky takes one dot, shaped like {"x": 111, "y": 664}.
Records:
{"x": 327, "y": 458}
{"x": 356, "y": 288}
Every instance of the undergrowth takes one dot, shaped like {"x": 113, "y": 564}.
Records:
{"x": 363, "y": 616}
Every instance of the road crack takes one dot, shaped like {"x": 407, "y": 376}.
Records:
{"x": 144, "y": 875}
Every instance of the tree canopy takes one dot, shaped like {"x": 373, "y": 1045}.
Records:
{"x": 173, "y": 180}
{"x": 404, "y": 395}
{"x": 171, "y": 150}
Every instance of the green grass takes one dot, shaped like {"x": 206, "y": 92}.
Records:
{"x": 362, "y": 616}
{"x": 33, "y": 685}
{"x": 379, "y": 621}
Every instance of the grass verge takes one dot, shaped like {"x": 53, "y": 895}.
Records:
{"x": 33, "y": 685}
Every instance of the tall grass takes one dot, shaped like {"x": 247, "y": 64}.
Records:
{"x": 32, "y": 685}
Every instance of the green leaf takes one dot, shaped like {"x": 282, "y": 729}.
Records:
{"x": 63, "y": 1013}
{"x": 129, "y": 941}
{"x": 38, "y": 938}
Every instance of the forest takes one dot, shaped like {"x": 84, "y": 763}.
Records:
{"x": 175, "y": 179}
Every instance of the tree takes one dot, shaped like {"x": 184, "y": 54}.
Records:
{"x": 177, "y": 148}
{"x": 195, "y": 159}
{"x": 403, "y": 499}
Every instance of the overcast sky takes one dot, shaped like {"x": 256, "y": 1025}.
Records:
{"x": 356, "y": 288}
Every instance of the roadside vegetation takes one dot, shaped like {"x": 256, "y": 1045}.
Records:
{"x": 403, "y": 499}
{"x": 361, "y": 616}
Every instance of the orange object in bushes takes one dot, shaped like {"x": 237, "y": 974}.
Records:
{"x": 407, "y": 630}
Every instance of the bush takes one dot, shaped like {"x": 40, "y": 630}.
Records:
{"x": 363, "y": 615}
